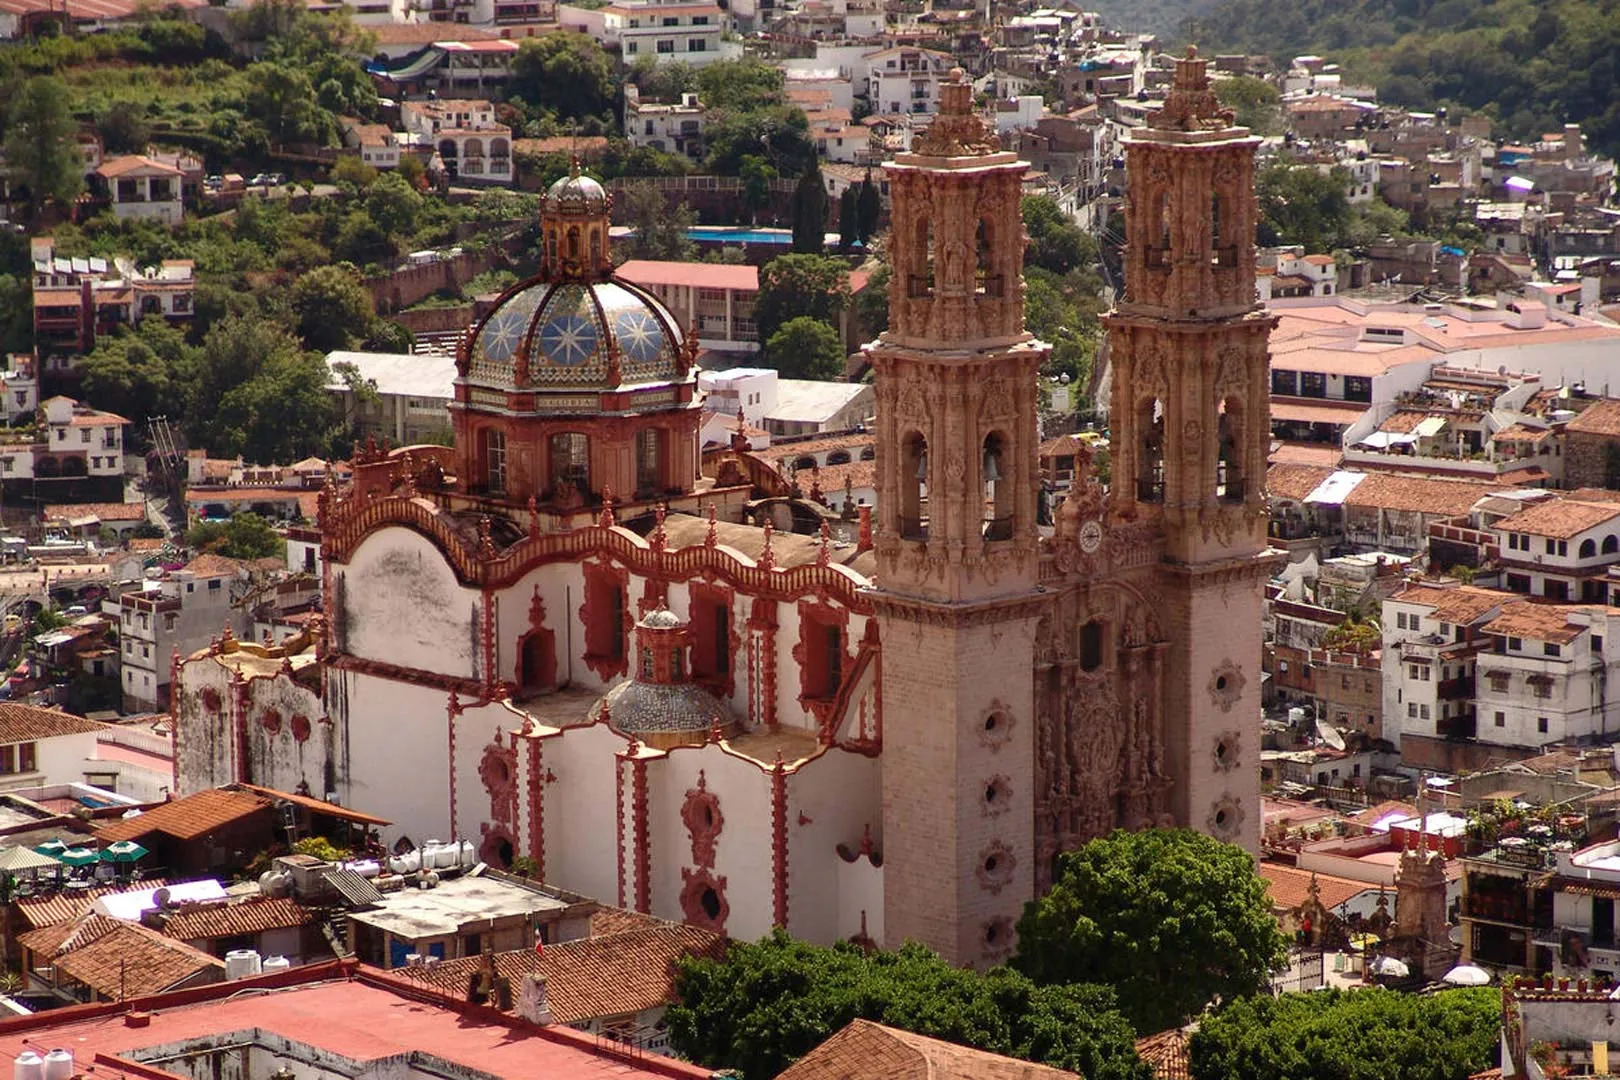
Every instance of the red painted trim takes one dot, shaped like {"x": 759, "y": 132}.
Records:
{"x": 762, "y": 617}
{"x": 654, "y": 595}
{"x": 815, "y": 618}
{"x": 486, "y": 635}
{"x": 239, "y": 703}
{"x": 779, "y": 844}
{"x": 174, "y": 721}
{"x": 537, "y": 809}
{"x": 618, "y": 812}
{"x": 643, "y": 840}
{"x": 595, "y": 616}
{"x": 706, "y": 597}
{"x": 452, "y": 710}
{"x": 471, "y": 689}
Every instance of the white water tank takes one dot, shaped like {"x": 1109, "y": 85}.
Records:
{"x": 59, "y": 1065}
{"x": 1296, "y": 716}
{"x": 276, "y": 963}
{"x": 408, "y": 863}
{"x": 469, "y": 855}
{"x": 366, "y": 868}
{"x": 239, "y": 964}
{"x": 28, "y": 1066}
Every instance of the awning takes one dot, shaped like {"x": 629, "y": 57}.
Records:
{"x": 1383, "y": 440}
{"x": 16, "y": 859}
{"x": 1430, "y": 426}
{"x": 1335, "y": 489}
{"x": 1316, "y": 414}
{"x": 319, "y": 806}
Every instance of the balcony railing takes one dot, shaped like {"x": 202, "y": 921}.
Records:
{"x": 1456, "y": 689}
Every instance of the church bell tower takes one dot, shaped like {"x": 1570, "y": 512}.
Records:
{"x": 956, "y": 542}
{"x": 1190, "y": 431}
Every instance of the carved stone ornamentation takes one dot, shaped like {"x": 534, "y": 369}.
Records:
{"x": 703, "y": 820}
{"x": 1225, "y": 818}
{"x": 1227, "y": 753}
{"x": 996, "y": 866}
{"x": 995, "y": 726}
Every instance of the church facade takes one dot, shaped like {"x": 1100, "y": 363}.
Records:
{"x": 659, "y": 677}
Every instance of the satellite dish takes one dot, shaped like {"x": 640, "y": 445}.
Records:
{"x": 1329, "y": 734}
{"x": 160, "y": 898}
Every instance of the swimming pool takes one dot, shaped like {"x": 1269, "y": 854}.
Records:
{"x": 715, "y": 234}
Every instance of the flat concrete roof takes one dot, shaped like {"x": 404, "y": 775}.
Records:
{"x": 412, "y": 914}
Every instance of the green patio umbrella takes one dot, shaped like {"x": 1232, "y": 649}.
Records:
{"x": 124, "y": 851}
{"x": 52, "y": 848}
{"x": 79, "y": 856}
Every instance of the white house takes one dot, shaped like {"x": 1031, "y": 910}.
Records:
{"x": 1545, "y": 682}
{"x": 1433, "y": 636}
{"x": 471, "y": 143}
{"x": 142, "y": 188}
{"x": 182, "y": 612}
{"x": 412, "y": 402}
{"x": 41, "y": 747}
{"x": 666, "y": 31}
{"x": 905, "y": 80}
{"x": 675, "y": 128}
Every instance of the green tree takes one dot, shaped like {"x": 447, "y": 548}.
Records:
{"x": 245, "y": 536}
{"x": 16, "y": 314}
{"x": 747, "y": 79}
{"x": 282, "y": 99}
{"x": 1353, "y": 635}
{"x": 806, "y": 348}
{"x": 256, "y": 392}
{"x": 768, "y": 1003}
{"x": 140, "y": 373}
{"x": 566, "y": 72}
{"x": 1056, "y": 243}
{"x": 42, "y": 150}
{"x": 1257, "y": 103}
{"x": 351, "y": 171}
{"x": 660, "y": 229}
{"x": 849, "y": 224}
{"x": 1371, "y": 1034}
{"x": 810, "y": 213}
{"x": 124, "y": 128}
{"x": 756, "y": 174}
{"x": 1300, "y": 204}
{"x": 394, "y": 205}
{"x": 781, "y": 131}
{"x": 869, "y": 204}
{"x": 1170, "y": 918}
{"x": 795, "y": 285}
{"x": 333, "y": 307}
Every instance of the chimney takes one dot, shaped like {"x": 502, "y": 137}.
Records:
{"x": 864, "y": 536}
{"x": 532, "y": 1004}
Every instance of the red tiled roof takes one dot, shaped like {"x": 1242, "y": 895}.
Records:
{"x": 1289, "y": 481}
{"x": 132, "y": 961}
{"x": 1290, "y": 887}
{"x": 1539, "y": 622}
{"x": 1166, "y": 1054}
{"x": 50, "y": 941}
{"x": 103, "y": 511}
{"x": 1454, "y": 604}
{"x": 194, "y": 922}
{"x": 654, "y": 272}
{"x": 65, "y": 907}
{"x": 189, "y": 817}
{"x": 211, "y": 565}
{"x": 1413, "y": 493}
{"x": 612, "y": 975}
{"x": 318, "y": 806}
{"x": 865, "y": 1049}
{"x": 27, "y": 723}
{"x": 1599, "y": 418}
{"x": 1559, "y": 518}
{"x": 132, "y": 163}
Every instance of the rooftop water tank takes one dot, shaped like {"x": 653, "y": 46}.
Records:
{"x": 59, "y": 1065}
{"x": 239, "y": 964}
{"x": 28, "y": 1066}
{"x": 276, "y": 963}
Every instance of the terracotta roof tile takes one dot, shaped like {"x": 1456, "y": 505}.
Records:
{"x": 188, "y": 817}
{"x": 27, "y": 723}
{"x": 1301, "y": 453}
{"x": 611, "y": 975}
{"x": 1166, "y": 1054}
{"x": 1289, "y": 887}
{"x": 1521, "y": 433}
{"x": 1559, "y": 518}
{"x": 1289, "y": 481}
{"x": 1539, "y": 622}
{"x": 1402, "y": 422}
{"x": 104, "y": 511}
{"x": 132, "y": 961}
{"x": 1599, "y": 418}
{"x": 209, "y": 565}
{"x": 1388, "y": 491}
{"x": 48, "y": 942}
{"x": 1454, "y": 604}
{"x": 65, "y": 907}
{"x": 865, "y": 1049}
{"x": 1587, "y": 494}
{"x": 612, "y": 920}
{"x": 193, "y": 922}
{"x": 788, "y": 451}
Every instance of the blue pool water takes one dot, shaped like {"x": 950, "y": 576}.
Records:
{"x": 722, "y": 235}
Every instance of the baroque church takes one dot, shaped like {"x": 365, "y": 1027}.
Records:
{"x": 652, "y": 673}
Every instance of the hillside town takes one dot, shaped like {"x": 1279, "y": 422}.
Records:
{"x": 831, "y": 538}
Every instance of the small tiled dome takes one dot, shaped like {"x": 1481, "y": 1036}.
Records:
{"x": 685, "y": 711}
{"x": 576, "y": 194}
{"x": 576, "y": 335}
{"x": 661, "y": 619}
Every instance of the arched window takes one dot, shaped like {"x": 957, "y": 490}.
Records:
{"x": 1092, "y": 643}
{"x": 573, "y": 242}
{"x": 1215, "y": 221}
{"x": 986, "y": 280}
{"x": 998, "y": 489}
{"x": 649, "y": 461}
{"x": 1611, "y": 545}
{"x": 1150, "y": 451}
{"x": 1588, "y": 548}
{"x": 1158, "y": 248}
{"x": 838, "y": 457}
{"x": 868, "y": 453}
{"x": 914, "y": 487}
{"x": 474, "y": 148}
{"x": 495, "y": 461}
{"x": 596, "y": 246}
{"x": 1222, "y": 252}
{"x": 921, "y": 279}
{"x": 498, "y": 148}
{"x": 447, "y": 149}
{"x": 803, "y": 461}
{"x": 570, "y": 465}
{"x": 1229, "y": 464}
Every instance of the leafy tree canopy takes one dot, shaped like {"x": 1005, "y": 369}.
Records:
{"x": 1257, "y": 103}
{"x": 660, "y": 229}
{"x": 806, "y": 348}
{"x": 333, "y": 308}
{"x": 795, "y": 285}
{"x": 1371, "y": 1034}
{"x": 768, "y": 1003}
{"x": 41, "y": 147}
{"x": 1300, "y": 204}
{"x": 1170, "y": 918}
{"x": 568, "y": 73}
{"x": 245, "y": 536}
{"x": 1056, "y": 243}
{"x": 810, "y": 212}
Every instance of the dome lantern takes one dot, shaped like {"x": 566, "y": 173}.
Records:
{"x": 575, "y": 216}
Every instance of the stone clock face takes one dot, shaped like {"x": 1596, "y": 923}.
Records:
{"x": 1091, "y": 536}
